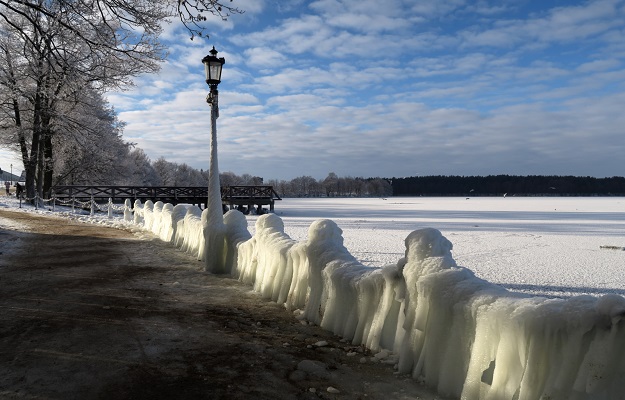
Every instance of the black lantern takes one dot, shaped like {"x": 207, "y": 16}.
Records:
{"x": 212, "y": 67}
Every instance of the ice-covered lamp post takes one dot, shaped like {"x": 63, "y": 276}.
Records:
{"x": 214, "y": 228}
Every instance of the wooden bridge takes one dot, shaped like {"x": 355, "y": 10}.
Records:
{"x": 243, "y": 198}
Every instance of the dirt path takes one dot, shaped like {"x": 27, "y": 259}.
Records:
{"x": 89, "y": 312}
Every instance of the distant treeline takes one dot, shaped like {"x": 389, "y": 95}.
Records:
{"x": 497, "y": 185}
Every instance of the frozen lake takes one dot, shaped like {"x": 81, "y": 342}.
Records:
{"x": 539, "y": 245}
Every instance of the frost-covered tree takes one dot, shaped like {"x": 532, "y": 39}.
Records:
{"x": 198, "y": 178}
{"x": 138, "y": 170}
{"x": 137, "y": 23}
{"x": 53, "y": 48}
{"x": 89, "y": 147}
{"x": 184, "y": 175}
{"x": 251, "y": 180}
{"x": 306, "y": 186}
{"x": 174, "y": 174}
{"x": 165, "y": 171}
{"x": 379, "y": 187}
{"x": 45, "y": 70}
{"x": 330, "y": 184}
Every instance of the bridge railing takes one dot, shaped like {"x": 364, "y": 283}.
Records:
{"x": 232, "y": 195}
{"x": 252, "y": 192}
{"x": 124, "y": 192}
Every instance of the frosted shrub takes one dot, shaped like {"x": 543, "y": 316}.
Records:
{"x": 299, "y": 289}
{"x": 324, "y": 247}
{"x": 265, "y": 261}
{"x": 190, "y": 233}
{"x": 166, "y": 226}
{"x": 138, "y": 212}
{"x": 156, "y": 219}
{"x": 148, "y": 215}
{"x": 128, "y": 217}
{"x": 273, "y": 272}
{"x": 247, "y": 260}
{"x": 236, "y": 233}
{"x": 177, "y": 216}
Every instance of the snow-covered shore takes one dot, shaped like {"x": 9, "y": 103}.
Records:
{"x": 539, "y": 245}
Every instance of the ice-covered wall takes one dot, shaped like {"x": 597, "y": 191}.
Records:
{"x": 466, "y": 337}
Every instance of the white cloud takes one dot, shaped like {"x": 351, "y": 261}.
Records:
{"x": 429, "y": 87}
{"x": 563, "y": 24}
{"x": 436, "y": 8}
{"x": 599, "y": 65}
{"x": 263, "y": 58}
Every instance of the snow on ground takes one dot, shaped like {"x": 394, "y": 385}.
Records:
{"x": 539, "y": 245}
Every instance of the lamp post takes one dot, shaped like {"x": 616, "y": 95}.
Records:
{"x": 214, "y": 228}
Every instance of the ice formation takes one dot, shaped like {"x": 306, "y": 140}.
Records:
{"x": 462, "y": 335}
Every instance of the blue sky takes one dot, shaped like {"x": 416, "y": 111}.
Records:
{"x": 395, "y": 88}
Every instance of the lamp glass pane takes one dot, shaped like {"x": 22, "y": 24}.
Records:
{"x": 206, "y": 71}
{"x": 215, "y": 70}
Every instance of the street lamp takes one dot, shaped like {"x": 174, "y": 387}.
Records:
{"x": 212, "y": 68}
{"x": 214, "y": 230}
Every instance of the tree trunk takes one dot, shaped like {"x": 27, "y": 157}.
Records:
{"x": 31, "y": 165}
{"x": 48, "y": 167}
{"x": 39, "y": 179}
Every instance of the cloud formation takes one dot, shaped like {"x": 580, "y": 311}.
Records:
{"x": 361, "y": 88}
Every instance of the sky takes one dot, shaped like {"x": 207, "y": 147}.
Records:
{"x": 397, "y": 88}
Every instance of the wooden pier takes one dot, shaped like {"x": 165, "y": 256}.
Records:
{"x": 243, "y": 198}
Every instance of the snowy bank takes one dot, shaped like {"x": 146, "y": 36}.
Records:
{"x": 466, "y": 337}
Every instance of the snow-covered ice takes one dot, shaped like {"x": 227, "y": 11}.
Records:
{"x": 538, "y": 245}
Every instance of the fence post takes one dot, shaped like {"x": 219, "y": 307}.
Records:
{"x": 92, "y": 206}
{"x": 36, "y": 201}
{"x": 73, "y": 205}
{"x": 110, "y": 208}
{"x": 53, "y": 203}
